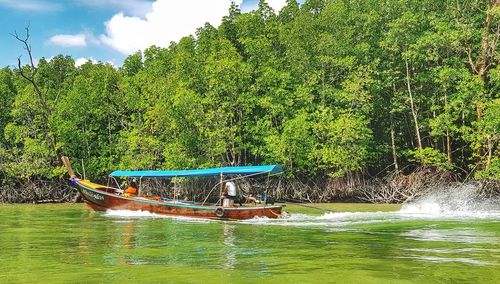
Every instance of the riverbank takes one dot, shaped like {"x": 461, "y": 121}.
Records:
{"x": 393, "y": 188}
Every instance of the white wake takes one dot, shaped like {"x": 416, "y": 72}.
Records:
{"x": 140, "y": 214}
{"x": 458, "y": 203}
{"x": 454, "y": 202}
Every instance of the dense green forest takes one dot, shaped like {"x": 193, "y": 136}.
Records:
{"x": 327, "y": 88}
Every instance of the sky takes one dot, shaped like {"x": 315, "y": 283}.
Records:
{"x": 104, "y": 30}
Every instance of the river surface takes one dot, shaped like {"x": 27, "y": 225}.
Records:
{"x": 419, "y": 243}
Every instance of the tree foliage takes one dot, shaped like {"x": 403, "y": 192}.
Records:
{"x": 317, "y": 87}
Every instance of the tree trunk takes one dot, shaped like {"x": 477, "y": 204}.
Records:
{"x": 490, "y": 152}
{"x": 448, "y": 145}
{"x": 393, "y": 145}
{"x": 485, "y": 61}
{"x": 448, "y": 138}
{"x": 486, "y": 53}
{"x": 412, "y": 105}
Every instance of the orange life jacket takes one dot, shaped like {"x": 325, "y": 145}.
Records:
{"x": 131, "y": 190}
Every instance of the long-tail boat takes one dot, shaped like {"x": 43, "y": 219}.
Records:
{"x": 101, "y": 198}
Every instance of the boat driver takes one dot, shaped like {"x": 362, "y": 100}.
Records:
{"x": 229, "y": 194}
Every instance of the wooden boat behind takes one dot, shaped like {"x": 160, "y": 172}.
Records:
{"x": 102, "y": 198}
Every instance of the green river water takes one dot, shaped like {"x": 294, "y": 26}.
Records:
{"x": 422, "y": 243}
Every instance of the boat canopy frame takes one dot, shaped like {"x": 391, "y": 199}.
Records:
{"x": 238, "y": 172}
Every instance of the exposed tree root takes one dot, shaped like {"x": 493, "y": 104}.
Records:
{"x": 394, "y": 188}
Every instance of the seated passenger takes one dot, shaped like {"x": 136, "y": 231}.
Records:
{"x": 250, "y": 198}
{"x": 131, "y": 190}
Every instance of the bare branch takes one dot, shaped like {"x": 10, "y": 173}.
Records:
{"x": 25, "y": 41}
{"x": 471, "y": 61}
{"x": 45, "y": 111}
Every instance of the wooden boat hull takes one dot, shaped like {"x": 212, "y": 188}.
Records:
{"x": 102, "y": 198}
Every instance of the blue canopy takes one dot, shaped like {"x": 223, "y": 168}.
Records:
{"x": 244, "y": 170}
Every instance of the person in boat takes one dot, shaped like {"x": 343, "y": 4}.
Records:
{"x": 131, "y": 190}
{"x": 252, "y": 199}
{"x": 229, "y": 194}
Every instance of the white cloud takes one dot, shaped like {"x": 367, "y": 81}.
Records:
{"x": 130, "y": 7}
{"x": 31, "y": 5}
{"x": 168, "y": 21}
{"x": 276, "y": 4}
{"x": 112, "y": 63}
{"x": 82, "y": 60}
{"x": 78, "y": 40}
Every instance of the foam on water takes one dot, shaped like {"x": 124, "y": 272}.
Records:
{"x": 457, "y": 202}
{"x": 450, "y": 259}
{"x": 132, "y": 214}
{"x": 327, "y": 220}
{"x": 464, "y": 236}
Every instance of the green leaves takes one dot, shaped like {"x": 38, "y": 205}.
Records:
{"x": 317, "y": 88}
{"x": 344, "y": 142}
{"x": 294, "y": 146}
{"x": 430, "y": 157}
